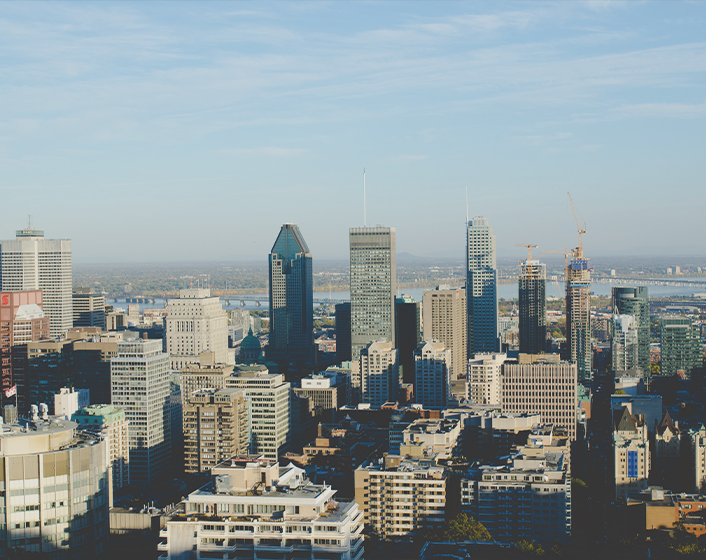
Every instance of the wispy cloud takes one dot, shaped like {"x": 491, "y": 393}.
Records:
{"x": 270, "y": 151}
{"x": 410, "y": 157}
{"x": 661, "y": 110}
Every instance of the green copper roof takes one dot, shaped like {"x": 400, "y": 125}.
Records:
{"x": 98, "y": 414}
{"x": 250, "y": 342}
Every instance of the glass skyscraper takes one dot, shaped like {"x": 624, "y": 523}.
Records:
{"x": 291, "y": 298}
{"x": 533, "y": 306}
{"x": 373, "y": 286}
{"x": 481, "y": 288}
{"x": 634, "y": 301}
{"x": 578, "y": 313}
{"x": 681, "y": 347}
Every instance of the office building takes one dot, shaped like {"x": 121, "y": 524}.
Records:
{"x": 140, "y": 386}
{"x": 485, "y": 378}
{"x": 57, "y": 484}
{"x": 444, "y": 317}
{"x": 631, "y": 453}
{"x": 401, "y": 497}
{"x": 22, "y": 320}
{"x": 578, "y": 313}
{"x": 68, "y": 400}
{"x": 432, "y": 378}
{"x": 88, "y": 308}
{"x": 327, "y": 390}
{"x": 481, "y": 288}
{"x": 216, "y": 428}
{"x": 31, "y": 262}
{"x": 625, "y": 346}
{"x": 426, "y": 437}
{"x": 343, "y": 332}
{"x": 373, "y": 285}
{"x": 196, "y": 323}
{"x": 291, "y": 336}
{"x": 681, "y": 347}
{"x": 696, "y": 469}
{"x": 634, "y": 301}
{"x": 408, "y": 333}
{"x": 542, "y": 384}
{"x": 203, "y": 375}
{"x": 268, "y": 397}
{"x": 254, "y": 508}
{"x": 532, "y": 285}
{"x": 527, "y": 497}
{"x": 379, "y": 373}
{"x": 110, "y": 423}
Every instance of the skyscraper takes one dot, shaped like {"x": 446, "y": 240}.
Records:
{"x": 89, "y": 308}
{"x": 343, "y": 332}
{"x": 291, "y": 298}
{"x": 578, "y": 312}
{"x": 373, "y": 286}
{"x": 634, "y": 301}
{"x": 408, "y": 333}
{"x": 140, "y": 386}
{"x": 624, "y": 345}
{"x": 432, "y": 382}
{"x": 31, "y": 262}
{"x": 681, "y": 347}
{"x": 533, "y": 306}
{"x": 481, "y": 288}
{"x": 444, "y": 319}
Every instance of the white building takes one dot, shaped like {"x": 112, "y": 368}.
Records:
{"x": 625, "y": 345}
{"x": 379, "y": 373}
{"x": 269, "y": 407}
{"x": 256, "y": 509}
{"x": 542, "y": 384}
{"x": 69, "y": 400}
{"x": 139, "y": 377}
{"x": 485, "y": 378}
{"x": 431, "y": 436}
{"x": 631, "y": 452}
{"x": 196, "y": 323}
{"x": 57, "y": 484}
{"x": 697, "y": 439}
{"x": 400, "y": 497}
{"x": 31, "y": 262}
{"x": 432, "y": 375}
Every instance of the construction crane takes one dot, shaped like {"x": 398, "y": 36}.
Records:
{"x": 581, "y": 229}
{"x": 566, "y": 254}
{"x": 529, "y": 250}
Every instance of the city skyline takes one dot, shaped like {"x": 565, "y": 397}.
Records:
{"x": 143, "y": 113}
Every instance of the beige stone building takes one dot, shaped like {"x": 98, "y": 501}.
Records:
{"x": 444, "y": 317}
{"x": 215, "y": 428}
{"x": 206, "y": 374}
{"x": 631, "y": 452}
{"x": 485, "y": 378}
{"x": 379, "y": 372}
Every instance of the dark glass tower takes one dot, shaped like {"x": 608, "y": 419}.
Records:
{"x": 291, "y": 299}
{"x": 533, "y": 306}
{"x": 408, "y": 333}
{"x": 634, "y": 301}
{"x": 481, "y": 288}
{"x": 343, "y": 332}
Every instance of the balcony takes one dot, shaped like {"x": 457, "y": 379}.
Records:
{"x": 163, "y": 545}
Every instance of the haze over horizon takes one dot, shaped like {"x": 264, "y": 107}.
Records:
{"x": 181, "y": 132}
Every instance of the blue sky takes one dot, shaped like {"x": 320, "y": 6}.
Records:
{"x": 179, "y": 131}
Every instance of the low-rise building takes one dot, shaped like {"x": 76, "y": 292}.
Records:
{"x": 631, "y": 453}
{"x": 432, "y": 436}
{"x": 253, "y": 508}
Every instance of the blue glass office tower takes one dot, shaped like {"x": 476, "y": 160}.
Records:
{"x": 481, "y": 288}
{"x": 291, "y": 299}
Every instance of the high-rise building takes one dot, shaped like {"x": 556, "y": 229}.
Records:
{"x": 634, "y": 301}
{"x": 253, "y": 508}
{"x": 58, "y": 482}
{"x": 89, "y": 308}
{"x": 196, "y": 323}
{"x": 481, "y": 288}
{"x": 432, "y": 378}
{"x": 343, "y": 332}
{"x": 379, "y": 372}
{"x": 578, "y": 313}
{"x": 408, "y": 333}
{"x": 291, "y": 336}
{"x": 542, "y": 384}
{"x": 140, "y": 386}
{"x": 532, "y": 286}
{"x": 631, "y": 453}
{"x": 328, "y": 390}
{"x": 22, "y": 320}
{"x": 215, "y": 428}
{"x": 31, "y": 262}
{"x": 110, "y": 423}
{"x": 681, "y": 347}
{"x": 373, "y": 285}
{"x": 444, "y": 317}
{"x": 203, "y": 375}
{"x": 625, "y": 346}
{"x": 697, "y": 470}
{"x": 485, "y": 378}
{"x": 269, "y": 404}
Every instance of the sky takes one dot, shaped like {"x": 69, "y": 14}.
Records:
{"x": 179, "y": 131}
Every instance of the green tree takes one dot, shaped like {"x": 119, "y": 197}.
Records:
{"x": 464, "y": 528}
{"x": 529, "y": 548}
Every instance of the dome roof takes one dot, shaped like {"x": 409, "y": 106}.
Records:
{"x": 250, "y": 342}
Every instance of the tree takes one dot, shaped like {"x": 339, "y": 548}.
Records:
{"x": 529, "y": 548}
{"x": 464, "y": 528}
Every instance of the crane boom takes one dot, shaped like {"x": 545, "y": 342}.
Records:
{"x": 579, "y": 228}
{"x": 529, "y": 249}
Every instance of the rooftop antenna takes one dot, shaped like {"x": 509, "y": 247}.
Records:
{"x": 365, "y": 221}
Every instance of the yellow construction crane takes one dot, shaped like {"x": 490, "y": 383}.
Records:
{"x": 566, "y": 254}
{"x": 581, "y": 229}
{"x": 529, "y": 250}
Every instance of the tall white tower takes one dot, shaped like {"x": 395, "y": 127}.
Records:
{"x": 31, "y": 262}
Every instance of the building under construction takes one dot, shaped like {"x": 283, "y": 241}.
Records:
{"x": 532, "y": 305}
{"x": 578, "y": 312}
